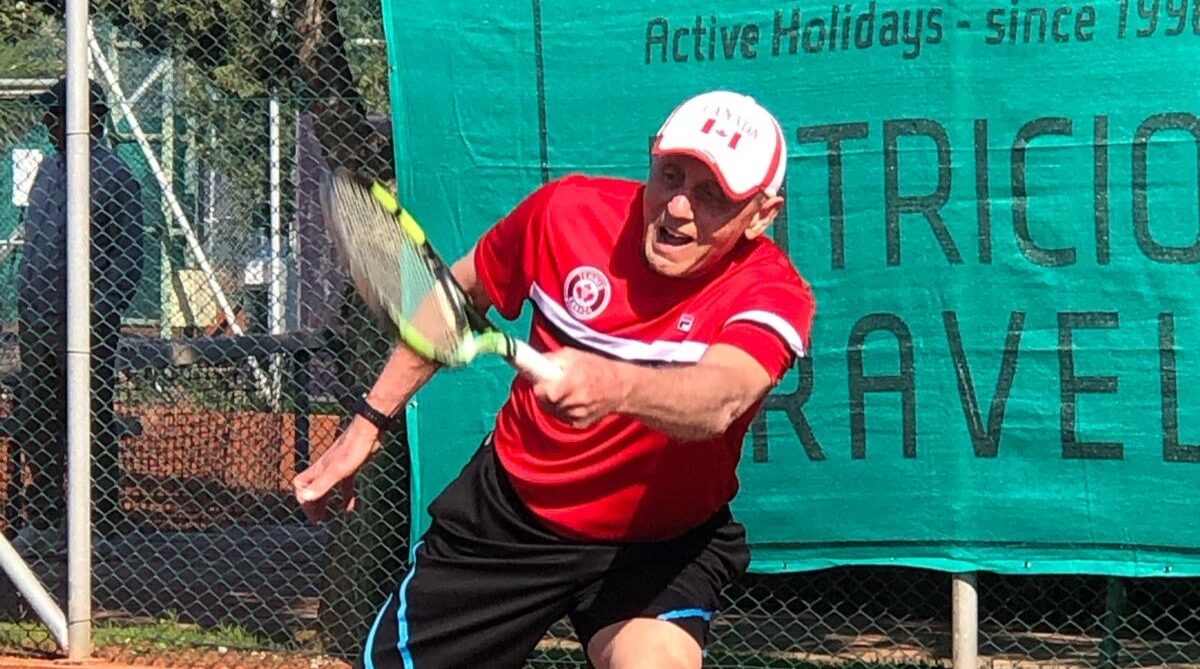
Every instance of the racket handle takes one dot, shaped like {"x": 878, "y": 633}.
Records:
{"x": 530, "y": 362}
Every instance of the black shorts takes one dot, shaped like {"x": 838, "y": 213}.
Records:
{"x": 488, "y": 580}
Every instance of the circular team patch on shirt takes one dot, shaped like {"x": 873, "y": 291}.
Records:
{"x": 586, "y": 292}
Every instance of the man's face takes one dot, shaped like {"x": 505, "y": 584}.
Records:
{"x": 690, "y": 223}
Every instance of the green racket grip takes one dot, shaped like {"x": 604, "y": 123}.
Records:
{"x": 533, "y": 364}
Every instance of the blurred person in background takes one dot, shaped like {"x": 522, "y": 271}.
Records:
{"x": 116, "y": 269}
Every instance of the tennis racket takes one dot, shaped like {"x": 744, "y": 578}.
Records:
{"x": 403, "y": 280}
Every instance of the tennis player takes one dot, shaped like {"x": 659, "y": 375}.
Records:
{"x": 603, "y": 495}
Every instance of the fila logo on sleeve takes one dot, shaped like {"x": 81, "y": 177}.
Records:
{"x": 586, "y": 292}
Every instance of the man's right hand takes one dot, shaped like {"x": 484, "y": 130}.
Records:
{"x": 336, "y": 469}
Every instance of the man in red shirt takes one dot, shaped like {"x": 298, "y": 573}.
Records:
{"x": 604, "y": 495}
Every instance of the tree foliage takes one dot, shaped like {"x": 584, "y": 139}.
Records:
{"x": 303, "y": 51}
{"x": 30, "y": 45}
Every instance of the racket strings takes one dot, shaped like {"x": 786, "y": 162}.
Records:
{"x": 390, "y": 270}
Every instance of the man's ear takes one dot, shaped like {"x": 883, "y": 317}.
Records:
{"x": 765, "y": 215}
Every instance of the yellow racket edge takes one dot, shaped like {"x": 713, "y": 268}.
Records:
{"x": 392, "y": 205}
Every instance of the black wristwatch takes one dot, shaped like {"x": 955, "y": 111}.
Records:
{"x": 374, "y": 416}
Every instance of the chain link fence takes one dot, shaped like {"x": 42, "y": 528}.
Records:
{"x": 221, "y": 368}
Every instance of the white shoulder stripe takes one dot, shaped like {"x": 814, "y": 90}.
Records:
{"x": 780, "y": 326}
{"x": 626, "y": 349}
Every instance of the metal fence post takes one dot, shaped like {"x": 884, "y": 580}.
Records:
{"x": 965, "y": 624}
{"x": 1114, "y": 599}
{"x": 79, "y": 358}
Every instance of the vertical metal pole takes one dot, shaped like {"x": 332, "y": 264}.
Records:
{"x": 166, "y": 267}
{"x": 277, "y": 288}
{"x": 278, "y": 278}
{"x": 303, "y": 407}
{"x": 965, "y": 602}
{"x": 1114, "y": 601}
{"x": 79, "y": 447}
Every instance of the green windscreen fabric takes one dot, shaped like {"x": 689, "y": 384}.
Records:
{"x": 998, "y": 208}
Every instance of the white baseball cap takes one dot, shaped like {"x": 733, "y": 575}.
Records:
{"x": 734, "y": 135}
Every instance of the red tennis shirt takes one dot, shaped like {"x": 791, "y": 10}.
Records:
{"x": 574, "y": 249}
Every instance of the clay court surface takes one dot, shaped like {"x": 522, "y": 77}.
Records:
{"x": 206, "y": 659}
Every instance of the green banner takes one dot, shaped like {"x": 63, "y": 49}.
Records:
{"x": 997, "y": 205}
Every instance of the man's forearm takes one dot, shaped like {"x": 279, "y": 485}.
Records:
{"x": 402, "y": 376}
{"x": 406, "y": 372}
{"x": 692, "y": 403}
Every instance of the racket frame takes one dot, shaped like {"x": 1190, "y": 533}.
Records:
{"x": 477, "y": 333}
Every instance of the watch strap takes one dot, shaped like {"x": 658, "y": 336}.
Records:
{"x": 373, "y": 416}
